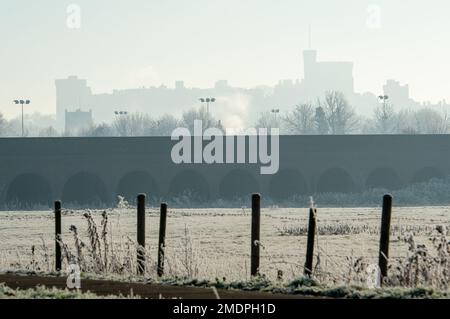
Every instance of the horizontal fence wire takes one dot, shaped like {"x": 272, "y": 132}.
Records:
{"x": 362, "y": 223}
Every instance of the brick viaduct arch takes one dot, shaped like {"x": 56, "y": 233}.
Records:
{"x": 95, "y": 170}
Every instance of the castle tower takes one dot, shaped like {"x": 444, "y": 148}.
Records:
{"x": 71, "y": 94}
{"x": 309, "y": 62}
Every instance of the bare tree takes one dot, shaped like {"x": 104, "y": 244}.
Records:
{"x": 164, "y": 126}
{"x": 34, "y": 124}
{"x": 405, "y": 122}
{"x": 301, "y": 120}
{"x": 136, "y": 124}
{"x": 341, "y": 117}
{"x": 102, "y": 130}
{"x": 429, "y": 121}
{"x": 423, "y": 121}
{"x": 267, "y": 120}
{"x": 199, "y": 114}
{"x": 385, "y": 118}
{"x": 48, "y": 132}
{"x": 3, "y": 125}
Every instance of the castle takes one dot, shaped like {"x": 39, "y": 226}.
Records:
{"x": 74, "y": 94}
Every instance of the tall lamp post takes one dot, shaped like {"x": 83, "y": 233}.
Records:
{"x": 384, "y": 99}
{"x": 121, "y": 126}
{"x": 276, "y": 112}
{"x": 207, "y": 100}
{"x": 22, "y": 102}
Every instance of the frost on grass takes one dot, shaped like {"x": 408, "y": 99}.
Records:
{"x": 47, "y": 293}
{"x": 207, "y": 246}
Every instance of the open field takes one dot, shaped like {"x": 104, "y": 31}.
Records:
{"x": 215, "y": 243}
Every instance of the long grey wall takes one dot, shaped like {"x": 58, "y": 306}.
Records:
{"x": 85, "y": 170}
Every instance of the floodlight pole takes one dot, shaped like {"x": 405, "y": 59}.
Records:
{"x": 384, "y": 99}
{"x": 208, "y": 101}
{"x": 276, "y": 112}
{"x": 22, "y": 120}
{"x": 22, "y": 102}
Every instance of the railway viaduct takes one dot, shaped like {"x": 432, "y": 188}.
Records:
{"x": 94, "y": 170}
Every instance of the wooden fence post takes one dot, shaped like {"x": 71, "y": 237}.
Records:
{"x": 141, "y": 234}
{"x": 162, "y": 239}
{"x": 383, "y": 258}
{"x": 310, "y": 245}
{"x": 58, "y": 257}
{"x": 256, "y": 229}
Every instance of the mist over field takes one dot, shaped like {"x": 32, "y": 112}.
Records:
{"x": 224, "y": 149}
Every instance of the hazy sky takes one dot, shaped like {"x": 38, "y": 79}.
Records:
{"x": 124, "y": 44}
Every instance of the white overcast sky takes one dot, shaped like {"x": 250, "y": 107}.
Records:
{"x": 132, "y": 43}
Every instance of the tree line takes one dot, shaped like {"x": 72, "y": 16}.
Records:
{"x": 332, "y": 115}
{"x": 335, "y": 116}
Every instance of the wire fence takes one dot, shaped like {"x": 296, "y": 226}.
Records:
{"x": 267, "y": 259}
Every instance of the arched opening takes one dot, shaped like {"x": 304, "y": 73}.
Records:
{"x": 238, "y": 184}
{"x": 426, "y": 174}
{"x": 136, "y": 183}
{"x": 286, "y": 184}
{"x": 335, "y": 180}
{"x": 190, "y": 184}
{"x": 85, "y": 189}
{"x": 385, "y": 178}
{"x": 29, "y": 190}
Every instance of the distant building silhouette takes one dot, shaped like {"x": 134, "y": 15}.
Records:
{"x": 71, "y": 94}
{"x": 77, "y": 120}
{"x": 318, "y": 78}
{"x": 398, "y": 94}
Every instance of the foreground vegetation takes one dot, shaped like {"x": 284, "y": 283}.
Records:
{"x": 302, "y": 286}
{"x": 47, "y": 293}
{"x": 204, "y": 253}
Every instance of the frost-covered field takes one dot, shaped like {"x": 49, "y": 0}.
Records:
{"x": 215, "y": 243}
